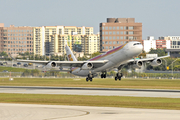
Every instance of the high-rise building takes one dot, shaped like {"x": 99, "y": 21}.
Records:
{"x": 91, "y": 43}
{"x": 16, "y": 40}
{"x": 117, "y": 31}
{"x": 51, "y": 39}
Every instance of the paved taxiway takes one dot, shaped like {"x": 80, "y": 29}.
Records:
{"x": 62, "y": 112}
{"x": 92, "y": 91}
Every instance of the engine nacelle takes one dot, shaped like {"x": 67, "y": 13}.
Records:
{"x": 87, "y": 66}
{"x": 156, "y": 62}
{"x": 50, "y": 65}
{"x": 138, "y": 64}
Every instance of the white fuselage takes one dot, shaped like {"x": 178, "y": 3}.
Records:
{"x": 115, "y": 58}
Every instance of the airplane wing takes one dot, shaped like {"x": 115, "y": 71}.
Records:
{"x": 148, "y": 59}
{"x": 68, "y": 63}
{"x": 154, "y": 61}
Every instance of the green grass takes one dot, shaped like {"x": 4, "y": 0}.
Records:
{"x": 106, "y": 101}
{"x": 11, "y": 69}
{"x": 97, "y": 82}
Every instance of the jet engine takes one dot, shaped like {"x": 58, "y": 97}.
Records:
{"x": 87, "y": 66}
{"x": 137, "y": 64}
{"x": 156, "y": 62}
{"x": 50, "y": 65}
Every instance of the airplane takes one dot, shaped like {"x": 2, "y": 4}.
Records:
{"x": 115, "y": 58}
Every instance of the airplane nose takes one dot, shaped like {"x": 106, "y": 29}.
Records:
{"x": 141, "y": 47}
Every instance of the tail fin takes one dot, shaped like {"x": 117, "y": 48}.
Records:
{"x": 69, "y": 53}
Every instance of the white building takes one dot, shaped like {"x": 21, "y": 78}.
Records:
{"x": 149, "y": 43}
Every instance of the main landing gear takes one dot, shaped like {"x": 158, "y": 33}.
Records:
{"x": 103, "y": 75}
{"x": 90, "y": 77}
{"x": 118, "y": 76}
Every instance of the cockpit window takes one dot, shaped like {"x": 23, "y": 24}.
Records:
{"x": 136, "y": 44}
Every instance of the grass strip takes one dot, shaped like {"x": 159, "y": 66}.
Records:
{"x": 81, "y": 100}
{"x": 12, "y": 69}
{"x": 97, "y": 82}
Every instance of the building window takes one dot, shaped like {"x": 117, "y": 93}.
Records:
{"x": 130, "y": 37}
{"x": 114, "y": 28}
{"x": 110, "y": 28}
{"x": 131, "y": 33}
{"x": 106, "y": 33}
{"x": 121, "y": 32}
{"x": 125, "y": 28}
{"x": 118, "y": 28}
{"x": 121, "y": 37}
{"x": 106, "y": 28}
{"x": 117, "y": 37}
{"x": 110, "y": 37}
{"x": 114, "y": 37}
{"x": 114, "y": 33}
{"x": 121, "y": 28}
{"x": 131, "y": 27}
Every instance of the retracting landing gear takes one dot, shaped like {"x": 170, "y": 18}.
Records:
{"x": 90, "y": 77}
{"x": 118, "y": 76}
{"x": 103, "y": 75}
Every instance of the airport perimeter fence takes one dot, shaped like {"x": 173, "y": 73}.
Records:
{"x": 133, "y": 75}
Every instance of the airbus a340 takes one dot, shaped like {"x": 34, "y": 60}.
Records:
{"x": 115, "y": 58}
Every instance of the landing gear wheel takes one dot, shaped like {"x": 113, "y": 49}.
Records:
{"x": 104, "y": 75}
{"x": 119, "y": 78}
{"x": 90, "y": 79}
{"x": 87, "y": 79}
{"x": 115, "y": 78}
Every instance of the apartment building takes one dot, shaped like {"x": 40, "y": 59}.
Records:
{"x": 149, "y": 44}
{"x": 87, "y": 44}
{"x": 91, "y": 43}
{"x": 14, "y": 40}
{"x": 117, "y": 31}
{"x": 174, "y": 48}
{"x": 51, "y": 39}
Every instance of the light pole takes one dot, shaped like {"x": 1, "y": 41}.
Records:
{"x": 172, "y": 65}
{"x": 166, "y": 63}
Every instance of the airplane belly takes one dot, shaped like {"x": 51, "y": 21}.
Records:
{"x": 109, "y": 65}
{"x": 80, "y": 72}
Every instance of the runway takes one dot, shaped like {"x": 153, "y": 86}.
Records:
{"x": 62, "y": 112}
{"x": 91, "y": 91}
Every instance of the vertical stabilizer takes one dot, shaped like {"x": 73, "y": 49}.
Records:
{"x": 69, "y": 53}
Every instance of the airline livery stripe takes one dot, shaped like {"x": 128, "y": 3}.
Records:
{"x": 108, "y": 53}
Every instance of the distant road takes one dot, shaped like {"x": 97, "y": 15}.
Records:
{"x": 91, "y": 91}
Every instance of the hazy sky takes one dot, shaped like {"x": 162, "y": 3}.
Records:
{"x": 159, "y": 17}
